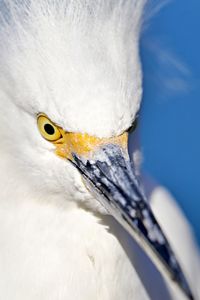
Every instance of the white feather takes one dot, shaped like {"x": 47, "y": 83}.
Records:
{"x": 54, "y": 53}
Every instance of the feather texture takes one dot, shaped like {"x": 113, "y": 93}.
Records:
{"x": 62, "y": 55}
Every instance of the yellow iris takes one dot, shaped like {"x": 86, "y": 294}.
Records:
{"x": 48, "y": 129}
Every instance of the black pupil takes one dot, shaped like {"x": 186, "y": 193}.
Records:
{"x": 49, "y": 129}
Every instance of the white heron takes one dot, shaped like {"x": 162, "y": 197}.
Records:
{"x": 70, "y": 88}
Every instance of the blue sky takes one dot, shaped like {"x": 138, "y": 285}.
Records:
{"x": 170, "y": 116}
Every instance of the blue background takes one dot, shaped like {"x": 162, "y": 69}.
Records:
{"x": 170, "y": 116}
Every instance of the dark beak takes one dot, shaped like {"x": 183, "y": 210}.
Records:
{"x": 110, "y": 175}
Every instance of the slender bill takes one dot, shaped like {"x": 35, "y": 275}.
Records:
{"x": 110, "y": 175}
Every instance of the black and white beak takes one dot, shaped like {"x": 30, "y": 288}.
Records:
{"x": 111, "y": 176}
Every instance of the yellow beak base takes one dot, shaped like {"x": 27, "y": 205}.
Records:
{"x": 85, "y": 145}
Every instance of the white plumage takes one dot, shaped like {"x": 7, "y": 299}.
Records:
{"x": 76, "y": 61}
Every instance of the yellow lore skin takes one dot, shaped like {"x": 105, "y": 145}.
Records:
{"x": 81, "y": 144}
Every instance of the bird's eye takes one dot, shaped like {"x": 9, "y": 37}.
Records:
{"x": 133, "y": 126}
{"x": 48, "y": 130}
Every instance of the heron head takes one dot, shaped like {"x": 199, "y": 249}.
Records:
{"x": 80, "y": 72}
{"x": 70, "y": 89}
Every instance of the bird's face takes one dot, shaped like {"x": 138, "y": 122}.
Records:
{"x": 44, "y": 145}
